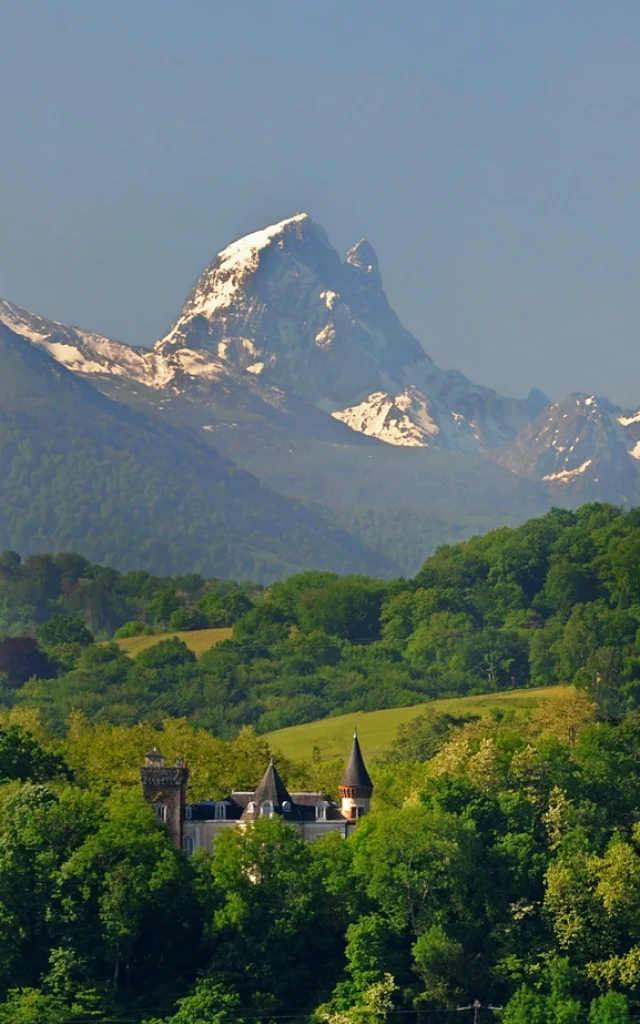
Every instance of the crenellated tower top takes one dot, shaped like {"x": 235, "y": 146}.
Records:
{"x": 164, "y": 787}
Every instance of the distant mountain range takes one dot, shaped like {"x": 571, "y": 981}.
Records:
{"x": 291, "y": 362}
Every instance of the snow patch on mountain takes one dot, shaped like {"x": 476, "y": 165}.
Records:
{"x": 70, "y": 356}
{"x": 326, "y": 335}
{"x": 329, "y": 298}
{"x": 84, "y": 352}
{"x": 566, "y": 474}
{"x": 93, "y": 355}
{"x": 628, "y": 421}
{"x": 403, "y": 420}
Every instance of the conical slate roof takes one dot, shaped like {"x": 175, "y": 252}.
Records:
{"x": 356, "y": 773}
{"x": 271, "y": 788}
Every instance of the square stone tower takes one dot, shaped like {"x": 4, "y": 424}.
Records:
{"x": 164, "y": 787}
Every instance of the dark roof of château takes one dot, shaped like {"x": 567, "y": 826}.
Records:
{"x": 205, "y": 810}
{"x": 247, "y": 806}
{"x": 356, "y": 773}
{"x": 302, "y": 808}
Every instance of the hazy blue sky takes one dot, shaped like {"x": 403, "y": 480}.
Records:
{"x": 489, "y": 151}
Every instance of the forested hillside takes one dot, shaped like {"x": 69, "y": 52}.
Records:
{"x": 554, "y": 601}
{"x": 78, "y": 469}
{"x": 521, "y": 835}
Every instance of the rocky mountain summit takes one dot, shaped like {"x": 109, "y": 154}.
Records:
{"x": 282, "y": 306}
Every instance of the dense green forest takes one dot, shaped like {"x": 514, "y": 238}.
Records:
{"x": 501, "y": 863}
{"x": 502, "y": 858}
{"x": 556, "y": 600}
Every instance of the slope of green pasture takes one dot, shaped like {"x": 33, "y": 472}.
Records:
{"x": 377, "y": 729}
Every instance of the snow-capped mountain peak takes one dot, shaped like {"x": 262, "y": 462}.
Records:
{"x": 219, "y": 285}
{"x": 279, "y": 316}
{"x": 223, "y": 285}
{"x": 281, "y": 305}
{"x": 582, "y": 449}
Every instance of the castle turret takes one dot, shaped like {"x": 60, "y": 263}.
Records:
{"x": 271, "y": 797}
{"x": 356, "y": 788}
{"x": 165, "y": 786}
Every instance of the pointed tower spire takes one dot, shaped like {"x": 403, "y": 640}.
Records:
{"x": 271, "y": 796}
{"x": 356, "y": 774}
{"x": 356, "y": 788}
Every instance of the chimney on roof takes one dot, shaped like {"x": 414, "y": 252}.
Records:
{"x": 154, "y": 759}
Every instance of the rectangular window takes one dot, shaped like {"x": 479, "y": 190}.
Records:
{"x": 161, "y": 813}
{"x": 221, "y": 812}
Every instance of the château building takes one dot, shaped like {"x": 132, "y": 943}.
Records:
{"x": 197, "y": 825}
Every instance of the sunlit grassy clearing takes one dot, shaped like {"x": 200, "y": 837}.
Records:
{"x": 198, "y": 640}
{"x": 377, "y": 729}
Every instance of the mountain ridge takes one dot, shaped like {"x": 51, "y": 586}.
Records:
{"x": 289, "y": 360}
{"x": 581, "y": 449}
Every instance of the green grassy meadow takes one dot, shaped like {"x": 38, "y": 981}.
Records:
{"x": 198, "y": 640}
{"x": 377, "y": 729}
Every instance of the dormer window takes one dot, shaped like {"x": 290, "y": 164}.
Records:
{"x": 267, "y": 809}
{"x": 286, "y": 805}
{"x": 251, "y": 807}
{"x": 321, "y": 811}
{"x": 188, "y": 813}
{"x": 221, "y": 811}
